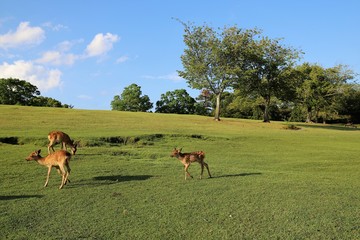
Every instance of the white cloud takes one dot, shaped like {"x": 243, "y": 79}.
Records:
{"x": 60, "y": 56}
{"x": 45, "y": 79}
{"x": 172, "y": 77}
{"x": 57, "y": 58}
{"x": 24, "y": 35}
{"x": 101, "y": 44}
{"x": 56, "y": 27}
{"x": 67, "y": 45}
{"x": 122, "y": 59}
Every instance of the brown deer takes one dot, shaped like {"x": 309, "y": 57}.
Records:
{"x": 59, "y": 160}
{"x": 188, "y": 158}
{"x": 61, "y": 137}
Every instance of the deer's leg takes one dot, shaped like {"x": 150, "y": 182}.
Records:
{"x": 47, "y": 177}
{"x": 67, "y": 172}
{"x": 63, "y": 176}
{"x": 59, "y": 171}
{"x": 64, "y": 146}
{"x": 50, "y": 146}
{"x": 186, "y": 171}
{"x": 202, "y": 169}
{"x": 207, "y": 167}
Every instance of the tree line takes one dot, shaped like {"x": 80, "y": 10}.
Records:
{"x": 242, "y": 73}
{"x": 312, "y": 103}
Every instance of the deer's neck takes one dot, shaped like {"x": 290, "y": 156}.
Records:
{"x": 180, "y": 156}
{"x": 41, "y": 161}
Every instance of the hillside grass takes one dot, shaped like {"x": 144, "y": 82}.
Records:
{"x": 269, "y": 182}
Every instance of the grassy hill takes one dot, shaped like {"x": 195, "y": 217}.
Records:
{"x": 268, "y": 182}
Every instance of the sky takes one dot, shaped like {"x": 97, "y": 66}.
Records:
{"x": 83, "y": 53}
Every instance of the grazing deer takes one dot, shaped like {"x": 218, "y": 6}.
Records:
{"x": 61, "y": 137}
{"x": 188, "y": 158}
{"x": 59, "y": 160}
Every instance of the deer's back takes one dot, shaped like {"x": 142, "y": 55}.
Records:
{"x": 193, "y": 157}
{"x": 58, "y": 157}
{"x": 58, "y": 136}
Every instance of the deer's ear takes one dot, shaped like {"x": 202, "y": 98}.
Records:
{"x": 180, "y": 149}
{"x": 38, "y": 152}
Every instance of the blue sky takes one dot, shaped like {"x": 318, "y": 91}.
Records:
{"x": 84, "y": 53}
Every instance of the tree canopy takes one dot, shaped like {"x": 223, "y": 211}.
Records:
{"x": 177, "y": 101}
{"x": 14, "y": 91}
{"x": 269, "y": 71}
{"x": 20, "y": 92}
{"x": 131, "y": 100}
{"x": 321, "y": 89}
{"x": 212, "y": 60}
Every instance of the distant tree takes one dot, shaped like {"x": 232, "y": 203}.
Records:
{"x": 350, "y": 103}
{"x": 270, "y": 72}
{"x": 14, "y": 91}
{"x": 213, "y": 60}
{"x": 178, "y": 101}
{"x": 131, "y": 100}
{"x": 45, "y": 102}
{"x": 321, "y": 89}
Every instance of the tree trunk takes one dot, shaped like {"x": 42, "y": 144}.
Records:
{"x": 309, "y": 115}
{"x": 266, "y": 110}
{"x": 217, "y": 109}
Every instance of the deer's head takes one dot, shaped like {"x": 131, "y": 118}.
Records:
{"x": 34, "y": 155}
{"x": 175, "y": 152}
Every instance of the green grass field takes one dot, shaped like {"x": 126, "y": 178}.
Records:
{"x": 268, "y": 182}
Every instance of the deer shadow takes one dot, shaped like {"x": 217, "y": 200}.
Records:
{"x": 120, "y": 178}
{"x": 237, "y": 175}
{"x": 108, "y": 180}
{"x": 13, "y": 197}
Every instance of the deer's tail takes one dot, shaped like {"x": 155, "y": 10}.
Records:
{"x": 201, "y": 154}
{"x": 68, "y": 156}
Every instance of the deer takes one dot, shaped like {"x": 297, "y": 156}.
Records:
{"x": 61, "y": 137}
{"x": 187, "y": 158}
{"x": 59, "y": 160}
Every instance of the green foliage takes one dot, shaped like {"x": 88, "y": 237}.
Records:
{"x": 269, "y": 74}
{"x": 17, "y": 92}
{"x": 213, "y": 60}
{"x": 268, "y": 183}
{"x": 350, "y": 103}
{"x": 321, "y": 89}
{"x": 20, "y": 92}
{"x": 177, "y": 101}
{"x": 131, "y": 100}
{"x": 45, "y": 102}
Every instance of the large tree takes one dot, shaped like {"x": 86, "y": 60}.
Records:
{"x": 177, "y": 101}
{"x": 131, "y": 100}
{"x": 321, "y": 88}
{"x": 214, "y": 60}
{"x": 14, "y": 91}
{"x": 270, "y": 72}
{"x": 20, "y": 92}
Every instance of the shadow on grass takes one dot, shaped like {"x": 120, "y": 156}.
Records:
{"x": 120, "y": 178}
{"x": 108, "y": 180}
{"x": 330, "y": 127}
{"x": 237, "y": 175}
{"x": 19, "y": 197}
